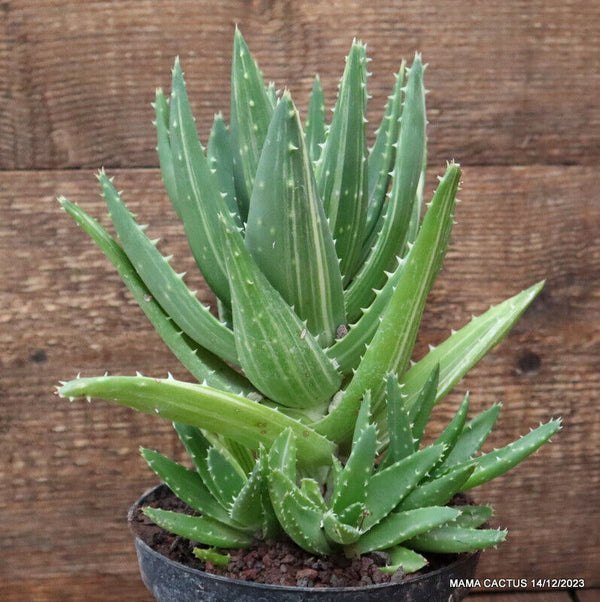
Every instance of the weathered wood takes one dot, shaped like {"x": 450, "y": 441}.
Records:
{"x": 587, "y": 595}
{"x": 512, "y": 83}
{"x": 69, "y": 472}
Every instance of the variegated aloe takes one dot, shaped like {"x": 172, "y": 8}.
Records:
{"x": 306, "y": 415}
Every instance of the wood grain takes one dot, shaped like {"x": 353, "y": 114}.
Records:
{"x": 512, "y": 83}
{"x": 73, "y": 470}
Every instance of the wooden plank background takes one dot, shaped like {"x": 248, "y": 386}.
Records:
{"x": 514, "y": 98}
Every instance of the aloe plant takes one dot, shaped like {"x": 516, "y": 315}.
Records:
{"x": 306, "y": 416}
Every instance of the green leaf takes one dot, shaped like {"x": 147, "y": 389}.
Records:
{"x": 199, "y": 528}
{"x": 230, "y": 415}
{"x": 472, "y": 517}
{"x": 342, "y": 167}
{"x": 211, "y": 555}
{"x": 251, "y": 110}
{"x": 202, "y": 364}
{"x": 278, "y": 354}
{"x": 401, "y": 441}
{"x": 165, "y": 285}
{"x": 471, "y": 439}
{"x": 247, "y": 507}
{"x": 489, "y": 466}
{"x": 220, "y": 158}
{"x": 188, "y": 486}
{"x": 388, "y": 487}
{"x": 439, "y": 491}
{"x": 338, "y": 531}
{"x": 353, "y": 480}
{"x": 448, "y": 539}
{"x": 227, "y": 482}
{"x": 463, "y": 349}
{"x": 400, "y": 526}
{"x": 287, "y": 232}
{"x": 421, "y": 411}
{"x": 315, "y": 126}
{"x": 451, "y": 433}
{"x": 382, "y": 156}
{"x": 163, "y": 146}
{"x": 200, "y": 201}
{"x": 391, "y": 347}
{"x": 403, "y": 558}
{"x": 392, "y": 235}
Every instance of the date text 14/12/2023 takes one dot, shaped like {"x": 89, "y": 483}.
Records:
{"x": 521, "y": 583}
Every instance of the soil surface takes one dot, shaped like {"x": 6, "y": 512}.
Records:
{"x": 273, "y": 562}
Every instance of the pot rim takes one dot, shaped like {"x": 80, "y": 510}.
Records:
{"x": 463, "y": 558}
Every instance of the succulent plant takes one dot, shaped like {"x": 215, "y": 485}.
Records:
{"x": 307, "y": 415}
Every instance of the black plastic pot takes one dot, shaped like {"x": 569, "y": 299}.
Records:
{"x": 170, "y": 581}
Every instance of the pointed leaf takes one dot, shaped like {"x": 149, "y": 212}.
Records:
{"x": 251, "y": 110}
{"x": 199, "y": 528}
{"x": 342, "y": 168}
{"x": 400, "y": 526}
{"x": 382, "y": 156}
{"x": 489, "y": 466}
{"x": 220, "y": 157}
{"x": 448, "y": 539}
{"x": 163, "y": 146}
{"x": 247, "y": 506}
{"x": 388, "y": 487}
{"x": 439, "y": 491}
{"x": 287, "y": 232}
{"x": 421, "y": 411}
{"x": 404, "y": 558}
{"x": 165, "y": 285}
{"x": 401, "y": 442}
{"x": 202, "y": 364}
{"x": 315, "y": 127}
{"x": 233, "y": 416}
{"x": 392, "y": 345}
{"x": 200, "y": 201}
{"x": 227, "y": 482}
{"x": 188, "y": 486}
{"x": 338, "y": 531}
{"x": 279, "y": 356}
{"x": 463, "y": 349}
{"x": 392, "y": 235}
{"x": 471, "y": 439}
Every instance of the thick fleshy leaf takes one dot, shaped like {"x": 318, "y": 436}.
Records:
{"x": 439, "y": 491}
{"x": 491, "y": 465}
{"x": 470, "y": 440}
{"x": 404, "y": 558}
{"x": 397, "y": 212}
{"x": 202, "y": 364}
{"x": 315, "y": 126}
{"x": 392, "y": 345}
{"x": 401, "y": 442}
{"x": 449, "y": 539}
{"x": 382, "y": 156}
{"x": 421, "y": 410}
{"x": 388, "y": 487}
{"x": 226, "y": 482}
{"x": 400, "y": 526}
{"x": 163, "y": 146}
{"x": 463, "y": 349}
{"x": 287, "y": 232}
{"x": 230, "y": 415}
{"x": 220, "y": 157}
{"x": 278, "y": 354}
{"x": 199, "y": 528}
{"x": 165, "y": 285}
{"x": 342, "y": 168}
{"x": 188, "y": 486}
{"x": 251, "y": 110}
{"x": 199, "y": 200}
